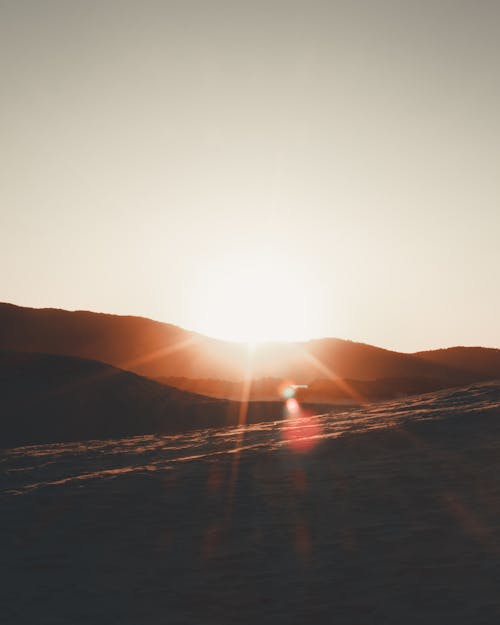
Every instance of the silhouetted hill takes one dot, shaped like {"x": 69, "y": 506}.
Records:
{"x": 482, "y": 361}
{"x": 338, "y": 392}
{"x": 385, "y": 516}
{"x": 155, "y": 349}
{"x": 358, "y": 361}
{"x": 47, "y": 398}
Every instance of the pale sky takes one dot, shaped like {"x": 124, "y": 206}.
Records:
{"x": 296, "y": 168}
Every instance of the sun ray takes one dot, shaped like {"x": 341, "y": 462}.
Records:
{"x": 242, "y": 421}
{"x": 320, "y": 366}
{"x": 158, "y": 353}
{"x": 127, "y": 365}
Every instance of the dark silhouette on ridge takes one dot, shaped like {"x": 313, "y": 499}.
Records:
{"x": 160, "y": 350}
{"x": 48, "y": 398}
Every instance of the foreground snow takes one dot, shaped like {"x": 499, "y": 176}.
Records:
{"x": 389, "y": 514}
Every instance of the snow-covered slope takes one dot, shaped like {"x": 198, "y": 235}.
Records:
{"x": 389, "y": 514}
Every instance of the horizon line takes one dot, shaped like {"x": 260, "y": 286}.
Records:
{"x": 252, "y": 343}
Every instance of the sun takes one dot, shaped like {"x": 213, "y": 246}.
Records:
{"x": 263, "y": 296}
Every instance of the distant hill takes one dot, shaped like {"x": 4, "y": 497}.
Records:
{"x": 50, "y": 398}
{"x": 482, "y": 361}
{"x": 136, "y": 344}
{"x": 155, "y": 350}
{"x": 338, "y": 392}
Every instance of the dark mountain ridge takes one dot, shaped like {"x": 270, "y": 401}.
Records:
{"x": 338, "y": 392}
{"x": 155, "y": 349}
{"x": 48, "y": 398}
{"x": 483, "y": 361}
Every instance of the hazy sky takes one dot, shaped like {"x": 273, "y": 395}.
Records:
{"x": 336, "y": 162}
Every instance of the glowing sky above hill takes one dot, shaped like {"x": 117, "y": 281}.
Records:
{"x": 267, "y": 169}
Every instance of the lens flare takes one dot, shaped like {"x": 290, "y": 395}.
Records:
{"x": 292, "y": 406}
{"x": 286, "y": 390}
{"x": 301, "y": 429}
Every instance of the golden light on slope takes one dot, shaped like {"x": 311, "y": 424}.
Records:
{"x": 264, "y": 296}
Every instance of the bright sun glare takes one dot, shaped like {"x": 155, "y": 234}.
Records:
{"x": 264, "y": 297}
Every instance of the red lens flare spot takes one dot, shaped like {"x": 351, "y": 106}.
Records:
{"x": 301, "y": 430}
{"x": 292, "y": 406}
